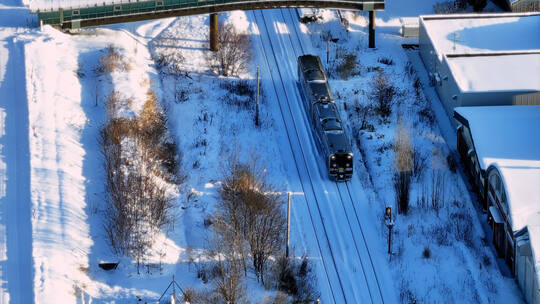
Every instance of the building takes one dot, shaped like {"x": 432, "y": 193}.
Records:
{"x": 500, "y": 147}
{"x": 479, "y": 60}
{"x": 519, "y": 5}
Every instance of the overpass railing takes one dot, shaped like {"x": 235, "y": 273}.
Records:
{"x": 109, "y": 13}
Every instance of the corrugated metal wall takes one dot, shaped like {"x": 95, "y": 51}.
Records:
{"x": 526, "y": 6}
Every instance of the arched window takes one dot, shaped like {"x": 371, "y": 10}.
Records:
{"x": 496, "y": 189}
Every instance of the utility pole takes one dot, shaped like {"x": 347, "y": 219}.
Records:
{"x": 371, "y": 29}
{"x": 288, "y": 222}
{"x": 389, "y": 221}
{"x": 327, "y": 50}
{"x": 257, "y": 105}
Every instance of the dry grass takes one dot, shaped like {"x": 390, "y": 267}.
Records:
{"x": 112, "y": 61}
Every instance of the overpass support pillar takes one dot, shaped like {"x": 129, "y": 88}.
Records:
{"x": 213, "y": 32}
{"x": 371, "y": 29}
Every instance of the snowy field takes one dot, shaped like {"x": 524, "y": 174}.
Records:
{"x": 52, "y": 110}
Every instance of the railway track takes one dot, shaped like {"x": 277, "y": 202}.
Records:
{"x": 337, "y": 292}
{"x": 346, "y": 198}
{"x": 361, "y": 257}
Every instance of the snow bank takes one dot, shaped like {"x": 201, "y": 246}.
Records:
{"x": 57, "y": 159}
{"x": 473, "y": 33}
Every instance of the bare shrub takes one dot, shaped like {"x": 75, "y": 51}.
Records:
{"x": 228, "y": 246}
{"x": 440, "y": 233}
{"x": 296, "y": 278}
{"x": 437, "y": 195}
{"x": 462, "y": 223}
{"x": 170, "y": 63}
{"x": 112, "y": 61}
{"x": 280, "y": 298}
{"x": 114, "y": 103}
{"x": 234, "y": 51}
{"x": 418, "y": 162}
{"x": 310, "y": 18}
{"x": 134, "y": 156}
{"x": 405, "y": 293}
{"x": 346, "y": 64}
{"x": 403, "y": 162}
{"x": 426, "y": 253}
{"x": 452, "y": 162}
{"x": 242, "y": 93}
{"x": 426, "y": 115}
{"x": 382, "y": 92}
{"x": 417, "y": 85}
{"x": 449, "y": 7}
{"x": 306, "y": 283}
{"x": 386, "y": 61}
{"x": 286, "y": 279}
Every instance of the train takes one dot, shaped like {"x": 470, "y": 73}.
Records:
{"x": 328, "y": 132}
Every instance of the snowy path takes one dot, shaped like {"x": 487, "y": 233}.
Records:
{"x": 15, "y": 224}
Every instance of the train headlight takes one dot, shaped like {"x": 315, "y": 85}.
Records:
{"x": 334, "y": 165}
{"x": 347, "y": 165}
{"x": 349, "y": 156}
{"x": 333, "y": 157}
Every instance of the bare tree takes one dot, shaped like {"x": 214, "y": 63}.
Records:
{"x": 252, "y": 209}
{"x": 234, "y": 51}
{"x": 403, "y": 166}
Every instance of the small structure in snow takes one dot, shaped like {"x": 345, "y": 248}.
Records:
{"x": 500, "y": 147}
{"x": 482, "y": 59}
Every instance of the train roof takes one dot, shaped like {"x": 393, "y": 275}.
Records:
{"x": 327, "y": 110}
{"x": 338, "y": 142}
{"x": 332, "y": 124}
{"x": 321, "y": 91}
{"x": 312, "y": 67}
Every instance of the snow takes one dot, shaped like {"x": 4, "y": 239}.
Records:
{"x": 477, "y": 33}
{"x": 492, "y": 72}
{"x": 506, "y": 137}
{"x": 51, "y": 165}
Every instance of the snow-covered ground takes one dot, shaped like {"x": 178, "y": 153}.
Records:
{"x": 52, "y": 181}
{"x": 459, "y": 265}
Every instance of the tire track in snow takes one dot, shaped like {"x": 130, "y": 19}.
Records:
{"x": 17, "y": 265}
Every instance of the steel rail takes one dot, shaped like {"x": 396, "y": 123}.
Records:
{"x": 341, "y": 195}
{"x": 310, "y": 211}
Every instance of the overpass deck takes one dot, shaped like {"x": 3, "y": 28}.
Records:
{"x": 71, "y": 16}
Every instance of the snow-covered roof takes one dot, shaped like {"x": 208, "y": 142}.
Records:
{"x": 472, "y": 33}
{"x": 508, "y": 138}
{"x": 496, "y": 72}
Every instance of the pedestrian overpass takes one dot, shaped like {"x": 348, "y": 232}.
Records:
{"x": 72, "y": 14}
